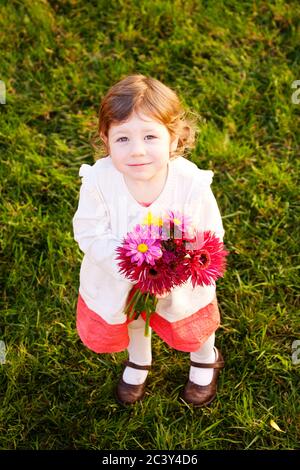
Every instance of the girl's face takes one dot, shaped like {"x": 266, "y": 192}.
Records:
{"x": 140, "y": 147}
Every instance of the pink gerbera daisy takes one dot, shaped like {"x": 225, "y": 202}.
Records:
{"x": 140, "y": 247}
{"x": 179, "y": 225}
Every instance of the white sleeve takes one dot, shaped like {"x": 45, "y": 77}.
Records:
{"x": 211, "y": 217}
{"x": 207, "y": 212}
{"x": 91, "y": 226}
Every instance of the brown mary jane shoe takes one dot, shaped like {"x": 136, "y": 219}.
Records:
{"x": 128, "y": 394}
{"x": 203, "y": 395}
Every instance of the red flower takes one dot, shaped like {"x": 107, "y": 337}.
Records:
{"x": 207, "y": 262}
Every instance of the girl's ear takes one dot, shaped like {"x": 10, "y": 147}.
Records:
{"x": 174, "y": 143}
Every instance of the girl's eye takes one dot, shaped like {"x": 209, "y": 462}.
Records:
{"x": 120, "y": 138}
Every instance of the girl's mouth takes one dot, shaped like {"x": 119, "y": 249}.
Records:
{"x": 140, "y": 164}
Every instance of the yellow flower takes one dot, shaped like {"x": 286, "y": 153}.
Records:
{"x": 151, "y": 219}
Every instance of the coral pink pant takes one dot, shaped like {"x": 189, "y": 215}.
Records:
{"x": 187, "y": 334}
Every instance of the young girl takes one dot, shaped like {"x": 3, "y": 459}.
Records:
{"x": 145, "y": 131}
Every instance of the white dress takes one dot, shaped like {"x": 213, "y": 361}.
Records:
{"x": 107, "y": 211}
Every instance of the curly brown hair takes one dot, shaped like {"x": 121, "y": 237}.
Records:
{"x": 141, "y": 93}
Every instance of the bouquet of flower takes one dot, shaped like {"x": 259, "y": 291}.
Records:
{"x": 163, "y": 253}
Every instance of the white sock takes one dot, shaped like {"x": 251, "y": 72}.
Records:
{"x": 205, "y": 354}
{"x": 139, "y": 351}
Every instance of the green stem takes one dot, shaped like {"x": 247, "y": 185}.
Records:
{"x": 149, "y": 305}
{"x": 149, "y": 311}
{"x": 148, "y": 314}
{"x": 133, "y": 302}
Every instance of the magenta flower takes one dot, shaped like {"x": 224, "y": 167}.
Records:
{"x": 179, "y": 224}
{"x": 140, "y": 247}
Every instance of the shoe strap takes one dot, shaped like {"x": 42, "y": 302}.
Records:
{"x": 213, "y": 365}
{"x": 136, "y": 366}
{"x": 206, "y": 365}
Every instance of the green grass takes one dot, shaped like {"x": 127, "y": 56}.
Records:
{"x": 231, "y": 62}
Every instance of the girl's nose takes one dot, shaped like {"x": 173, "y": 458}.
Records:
{"x": 137, "y": 148}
